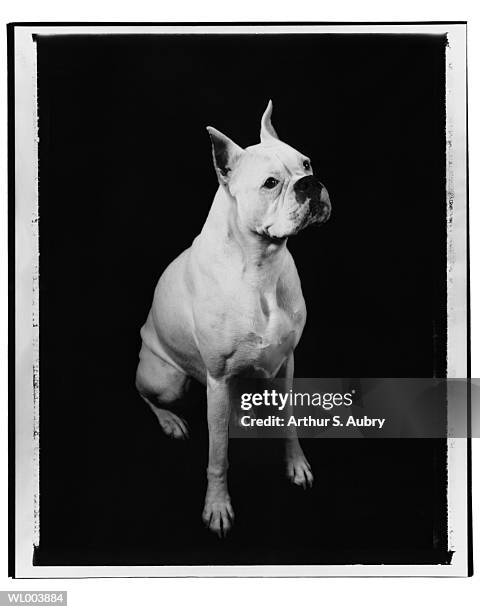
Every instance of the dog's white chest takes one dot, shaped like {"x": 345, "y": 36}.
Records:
{"x": 274, "y": 333}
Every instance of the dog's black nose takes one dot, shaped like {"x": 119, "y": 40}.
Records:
{"x": 311, "y": 189}
{"x": 307, "y": 184}
{"x": 307, "y": 187}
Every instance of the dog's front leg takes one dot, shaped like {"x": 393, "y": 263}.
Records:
{"x": 298, "y": 468}
{"x": 218, "y": 514}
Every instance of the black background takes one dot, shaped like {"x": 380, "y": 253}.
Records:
{"x": 126, "y": 182}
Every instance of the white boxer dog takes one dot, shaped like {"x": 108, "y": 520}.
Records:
{"x": 231, "y": 305}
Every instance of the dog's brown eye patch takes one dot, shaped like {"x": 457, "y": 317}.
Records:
{"x": 270, "y": 183}
{"x": 306, "y": 165}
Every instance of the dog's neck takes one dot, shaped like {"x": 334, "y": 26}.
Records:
{"x": 223, "y": 232}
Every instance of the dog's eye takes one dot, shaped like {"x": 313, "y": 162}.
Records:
{"x": 270, "y": 183}
{"x": 306, "y": 165}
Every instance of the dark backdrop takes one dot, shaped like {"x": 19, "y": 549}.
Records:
{"x": 126, "y": 182}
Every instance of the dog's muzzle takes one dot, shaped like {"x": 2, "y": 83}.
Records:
{"x": 311, "y": 189}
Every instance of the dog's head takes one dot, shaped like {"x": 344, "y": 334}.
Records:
{"x": 273, "y": 185}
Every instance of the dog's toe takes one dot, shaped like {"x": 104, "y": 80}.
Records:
{"x": 218, "y": 517}
{"x": 171, "y": 424}
{"x": 299, "y": 472}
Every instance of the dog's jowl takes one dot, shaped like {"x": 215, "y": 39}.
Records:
{"x": 231, "y": 305}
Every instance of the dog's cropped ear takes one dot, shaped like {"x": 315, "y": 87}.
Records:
{"x": 225, "y": 154}
{"x": 267, "y": 131}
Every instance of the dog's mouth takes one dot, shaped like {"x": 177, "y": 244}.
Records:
{"x": 297, "y": 225}
{"x": 315, "y": 211}
{"x": 273, "y": 239}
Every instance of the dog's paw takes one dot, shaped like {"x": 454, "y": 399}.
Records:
{"x": 299, "y": 471}
{"x": 218, "y": 516}
{"x": 172, "y": 425}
